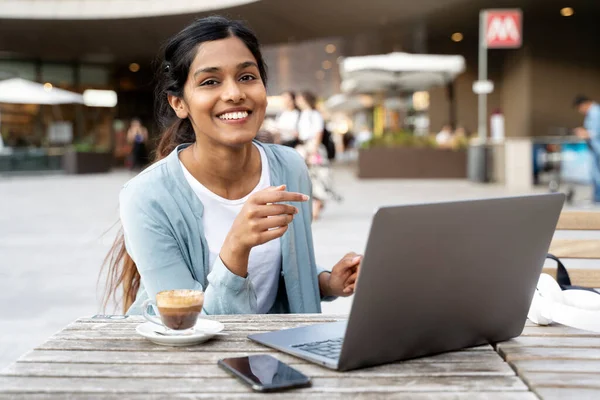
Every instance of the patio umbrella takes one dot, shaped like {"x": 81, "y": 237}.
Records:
{"x": 21, "y": 91}
{"x": 348, "y": 103}
{"x": 398, "y": 71}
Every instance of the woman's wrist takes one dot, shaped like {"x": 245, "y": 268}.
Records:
{"x": 324, "y": 287}
{"x": 235, "y": 259}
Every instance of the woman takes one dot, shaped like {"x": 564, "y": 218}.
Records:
{"x": 311, "y": 123}
{"x": 444, "y": 137}
{"x": 215, "y": 211}
{"x": 310, "y": 132}
{"x": 287, "y": 121}
{"x": 137, "y": 136}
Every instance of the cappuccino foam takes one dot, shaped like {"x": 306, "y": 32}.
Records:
{"x": 180, "y": 298}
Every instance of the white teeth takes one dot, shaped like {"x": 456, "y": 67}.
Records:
{"x": 234, "y": 115}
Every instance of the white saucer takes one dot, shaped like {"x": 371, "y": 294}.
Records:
{"x": 205, "y": 329}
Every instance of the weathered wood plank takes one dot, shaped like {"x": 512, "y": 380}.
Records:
{"x": 123, "y": 329}
{"x": 579, "y": 221}
{"x": 575, "y": 248}
{"x": 568, "y": 394}
{"x": 554, "y": 341}
{"x": 229, "y": 326}
{"x": 547, "y": 353}
{"x": 495, "y": 368}
{"x": 270, "y": 318}
{"x": 98, "y": 329}
{"x": 228, "y": 384}
{"x": 563, "y": 380}
{"x": 584, "y": 366}
{"x": 128, "y": 335}
{"x": 579, "y": 276}
{"x": 232, "y": 324}
{"x": 291, "y": 395}
{"x": 246, "y": 318}
{"x": 556, "y": 330}
{"x": 215, "y": 344}
{"x": 145, "y": 357}
{"x": 131, "y": 334}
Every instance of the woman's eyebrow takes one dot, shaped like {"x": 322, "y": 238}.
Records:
{"x": 247, "y": 64}
{"x": 210, "y": 70}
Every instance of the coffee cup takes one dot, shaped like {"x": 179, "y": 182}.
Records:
{"x": 178, "y": 309}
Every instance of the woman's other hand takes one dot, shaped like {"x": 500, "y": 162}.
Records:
{"x": 342, "y": 280}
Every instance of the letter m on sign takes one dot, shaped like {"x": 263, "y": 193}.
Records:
{"x": 504, "y": 29}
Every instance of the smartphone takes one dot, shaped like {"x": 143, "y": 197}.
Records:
{"x": 264, "y": 373}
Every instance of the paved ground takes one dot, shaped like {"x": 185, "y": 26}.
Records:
{"x": 55, "y": 231}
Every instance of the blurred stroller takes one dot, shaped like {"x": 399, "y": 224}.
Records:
{"x": 319, "y": 168}
{"x": 552, "y": 163}
{"x": 550, "y": 160}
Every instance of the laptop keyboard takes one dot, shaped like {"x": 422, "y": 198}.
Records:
{"x": 327, "y": 348}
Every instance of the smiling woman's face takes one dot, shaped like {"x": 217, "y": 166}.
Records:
{"x": 224, "y": 95}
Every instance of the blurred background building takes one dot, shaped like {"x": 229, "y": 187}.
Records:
{"x": 111, "y": 45}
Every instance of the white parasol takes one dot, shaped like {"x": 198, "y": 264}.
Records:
{"x": 21, "y": 91}
{"x": 398, "y": 71}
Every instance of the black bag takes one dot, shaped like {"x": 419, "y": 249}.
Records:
{"x": 562, "y": 276}
{"x": 329, "y": 144}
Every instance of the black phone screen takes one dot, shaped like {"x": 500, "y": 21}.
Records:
{"x": 264, "y": 372}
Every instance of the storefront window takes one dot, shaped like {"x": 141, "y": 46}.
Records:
{"x": 93, "y": 75}
{"x": 59, "y": 74}
{"x": 18, "y": 69}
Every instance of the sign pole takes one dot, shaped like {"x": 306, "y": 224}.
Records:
{"x": 482, "y": 70}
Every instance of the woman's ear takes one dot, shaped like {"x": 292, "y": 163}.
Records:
{"x": 178, "y": 105}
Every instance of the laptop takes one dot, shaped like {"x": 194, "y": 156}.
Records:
{"x": 435, "y": 278}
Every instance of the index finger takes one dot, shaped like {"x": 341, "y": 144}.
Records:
{"x": 265, "y": 197}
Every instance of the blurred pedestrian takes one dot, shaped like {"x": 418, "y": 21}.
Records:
{"x": 310, "y": 132}
{"x": 214, "y": 211}
{"x": 311, "y": 123}
{"x": 590, "y": 131}
{"x": 287, "y": 121}
{"x": 137, "y": 136}
{"x": 444, "y": 137}
{"x": 364, "y": 135}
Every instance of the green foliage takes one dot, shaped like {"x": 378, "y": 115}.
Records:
{"x": 400, "y": 139}
{"x": 407, "y": 139}
{"x": 461, "y": 142}
{"x": 88, "y": 146}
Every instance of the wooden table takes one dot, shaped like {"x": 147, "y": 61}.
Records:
{"x": 106, "y": 359}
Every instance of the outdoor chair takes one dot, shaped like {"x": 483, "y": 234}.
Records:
{"x": 572, "y": 251}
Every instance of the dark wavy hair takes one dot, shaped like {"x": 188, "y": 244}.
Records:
{"x": 310, "y": 99}
{"x": 177, "y": 56}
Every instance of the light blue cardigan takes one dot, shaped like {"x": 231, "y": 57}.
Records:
{"x": 162, "y": 221}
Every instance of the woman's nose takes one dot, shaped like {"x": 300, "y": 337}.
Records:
{"x": 232, "y": 92}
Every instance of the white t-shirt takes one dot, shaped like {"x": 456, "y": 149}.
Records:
{"x": 287, "y": 124}
{"x": 264, "y": 265}
{"x": 310, "y": 124}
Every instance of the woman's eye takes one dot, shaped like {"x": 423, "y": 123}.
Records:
{"x": 247, "y": 78}
{"x": 209, "y": 82}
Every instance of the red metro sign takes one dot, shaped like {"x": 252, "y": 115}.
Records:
{"x": 504, "y": 29}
